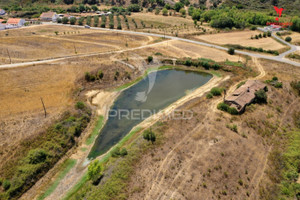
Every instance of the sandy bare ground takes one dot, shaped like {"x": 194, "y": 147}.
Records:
{"x": 295, "y": 38}
{"x": 243, "y": 38}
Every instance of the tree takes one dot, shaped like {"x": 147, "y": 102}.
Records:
{"x": 36, "y": 156}
{"x": 65, "y": 20}
{"x": 94, "y": 171}
{"x": 261, "y": 96}
{"x": 165, "y": 12}
{"x": 149, "y": 136}
{"x": 288, "y": 39}
{"x": 59, "y": 20}
{"x": 182, "y": 11}
{"x": 80, "y": 21}
{"x": 73, "y": 20}
{"x": 178, "y": 6}
{"x": 134, "y": 8}
{"x": 100, "y": 74}
{"x": 196, "y": 15}
{"x": 231, "y": 51}
{"x": 150, "y": 59}
{"x": 68, "y": 1}
{"x": 96, "y": 21}
{"x": 94, "y": 8}
{"x": 80, "y": 105}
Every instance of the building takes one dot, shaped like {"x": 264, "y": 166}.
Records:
{"x": 15, "y": 23}
{"x": 244, "y": 95}
{"x": 2, "y": 12}
{"x": 49, "y": 16}
{"x": 2, "y": 26}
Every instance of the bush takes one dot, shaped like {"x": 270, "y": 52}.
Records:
{"x": 36, "y": 156}
{"x": 261, "y": 96}
{"x": 123, "y": 152}
{"x": 165, "y": 12}
{"x": 100, "y": 74}
{"x": 288, "y": 39}
{"x": 150, "y": 59}
{"x": 216, "y": 91}
{"x": 94, "y": 170}
{"x": 275, "y": 78}
{"x": 149, "y": 136}
{"x": 73, "y": 21}
{"x": 231, "y": 51}
{"x": 6, "y": 184}
{"x": 133, "y": 8}
{"x": 80, "y": 105}
{"x": 59, "y": 20}
{"x": 65, "y": 20}
{"x": 209, "y": 96}
{"x": 80, "y": 21}
{"x": 278, "y": 85}
{"x": 269, "y": 33}
{"x": 296, "y": 86}
{"x": 223, "y": 106}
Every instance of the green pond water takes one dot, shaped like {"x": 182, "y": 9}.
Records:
{"x": 147, "y": 97}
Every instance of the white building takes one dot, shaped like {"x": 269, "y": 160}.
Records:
{"x": 2, "y": 12}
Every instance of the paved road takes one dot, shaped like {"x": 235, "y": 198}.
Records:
{"x": 279, "y": 58}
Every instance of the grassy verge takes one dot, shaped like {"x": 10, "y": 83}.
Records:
{"x": 95, "y": 132}
{"x": 67, "y": 166}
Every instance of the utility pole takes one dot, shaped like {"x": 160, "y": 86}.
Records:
{"x": 9, "y": 56}
{"x": 44, "y": 107}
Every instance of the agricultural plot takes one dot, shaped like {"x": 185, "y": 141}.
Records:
{"x": 242, "y": 38}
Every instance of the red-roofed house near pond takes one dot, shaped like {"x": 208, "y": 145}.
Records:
{"x": 244, "y": 95}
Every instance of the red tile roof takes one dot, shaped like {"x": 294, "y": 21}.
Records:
{"x": 13, "y": 21}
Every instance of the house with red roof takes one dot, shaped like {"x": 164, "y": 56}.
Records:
{"x": 15, "y": 22}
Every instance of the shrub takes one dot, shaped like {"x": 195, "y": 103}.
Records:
{"x": 288, "y": 39}
{"x": 253, "y": 28}
{"x": 261, "y": 96}
{"x": 216, "y": 66}
{"x": 231, "y": 51}
{"x": 80, "y": 21}
{"x": 96, "y": 21}
{"x": 188, "y": 62}
{"x": 278, "y": 33}
{"x": 123, "y": 152}
{"x": 150, "y": 59}
{"x": 134, "y": 8}
{"x": 275, "y": 78}
{"x": 165, "y": 12}
{"x": 115, "y": 152}
{"x": 73, "y": 21}
{"x": 296, "y": 86}
{"x": 94, "y": 170}
{"x": 36, "y": 156}
{"x": 216, "y": 91}
{"x": 209, "y": 96}
{"x": 100, "y": 74}
{"x": 149, "y": 136}
{"x": 256, "y": 36}
{"x": 269, "y": 33}
{"x": 59, "y": 20}
{"x": 80, "y": 105}
{"x": 278, "y": 85}
{"x": 6, "y": 184}
{"x": 264, "y": 35}
{"x": 65, "y": 20}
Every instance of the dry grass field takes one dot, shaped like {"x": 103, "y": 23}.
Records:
{"x": 295, "y": 38}
{"x": 180, "y": 49}
{"x": 23, "y": 46}
{"x": 243, "y": 38}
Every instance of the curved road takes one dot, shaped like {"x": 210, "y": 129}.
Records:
{"x": 279, "y": 58}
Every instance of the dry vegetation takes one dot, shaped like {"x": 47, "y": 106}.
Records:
{"x": 202, "y": 157}
{"x": 242, "y": 38}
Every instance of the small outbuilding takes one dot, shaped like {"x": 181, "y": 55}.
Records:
{"x": 2, "y": 12}
{"x": 49, "y": 16}
{"x": 244, "y": 95}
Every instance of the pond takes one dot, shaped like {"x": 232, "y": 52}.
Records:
{"x": 147, "y": 97}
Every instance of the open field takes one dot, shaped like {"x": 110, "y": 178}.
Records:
{"x": 295, "y": 38}
{"x": 170, "y": 25}
{"x": 242, "y": 38}
{"x": 68, "y": 42}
